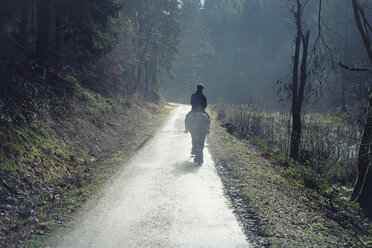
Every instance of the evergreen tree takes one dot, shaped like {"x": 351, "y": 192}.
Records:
{"x": 149, "y": 43}
{"x": 195, "y": 49}
{"x": 249, "y": 39}
{"x": 84, "y": 29}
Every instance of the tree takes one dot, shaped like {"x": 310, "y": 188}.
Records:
{"x": 362, "y": 192}
{"x": 343, "y": 89}
{"x": 83, "y": 30}
{"x": 89, "y": 31}
{"x": 23, "y": 26}
{"x": 249, "y": 39}
{"x": 194, "y": 49}
{"x": 299, "y": 77}
{"x": 149, "y": 42}
{"x": 43, "y": 29}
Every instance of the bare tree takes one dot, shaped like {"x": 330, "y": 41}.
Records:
{"x": 362, "y": 192}
{"x": 299, "y": 78}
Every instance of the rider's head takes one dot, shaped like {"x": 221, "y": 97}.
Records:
{"x": 200, "y": 87}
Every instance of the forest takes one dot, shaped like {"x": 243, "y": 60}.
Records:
{"x": 290, "y": 77}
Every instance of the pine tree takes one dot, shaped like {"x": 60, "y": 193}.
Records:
{"x": 195, "y": 48}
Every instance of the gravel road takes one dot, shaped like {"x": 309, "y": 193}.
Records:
{"x": 160, "y": 198}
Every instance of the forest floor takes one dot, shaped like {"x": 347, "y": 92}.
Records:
{"x": 50, "y": 166}
{"x": 285, "y": 214}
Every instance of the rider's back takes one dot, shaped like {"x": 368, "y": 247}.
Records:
{"x": 198, "y": 102}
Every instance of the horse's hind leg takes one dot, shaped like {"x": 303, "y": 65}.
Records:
{"x": 201, "y": 141}
{"x": 200, "y": 146}
{"x": 199, "y": 157}
{"x": 194, "y": 144}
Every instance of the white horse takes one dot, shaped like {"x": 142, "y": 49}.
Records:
{"x": 197, "y": 123}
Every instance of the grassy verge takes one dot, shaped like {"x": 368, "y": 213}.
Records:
{"x": 59, "y": 210}
{"x": 289, "y": 214}
{"x": 50, "y": 164}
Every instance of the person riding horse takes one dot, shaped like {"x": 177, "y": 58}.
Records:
{"x": 197, "y": 122}
{"x": 198, "y": 103}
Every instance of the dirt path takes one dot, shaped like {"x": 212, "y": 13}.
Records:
{"x": 159, "y": 199}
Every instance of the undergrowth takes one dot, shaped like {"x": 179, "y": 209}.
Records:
{"x": 332, "y": 197}
{"x": 59, "y": 142}
{"x": 324, "y": 170}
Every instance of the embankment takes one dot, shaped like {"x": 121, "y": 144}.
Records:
{"x": 274, "y": 211}
{"x": 49, "y": 165}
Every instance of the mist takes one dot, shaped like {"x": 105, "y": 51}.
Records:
{"x": 240, "y": 50}
{"x": 197, "y": 123}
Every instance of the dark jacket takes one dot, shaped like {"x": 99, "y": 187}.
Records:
{"x": 198, "y": 101}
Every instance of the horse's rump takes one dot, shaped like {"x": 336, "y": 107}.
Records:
{"x": 197, "y": 122}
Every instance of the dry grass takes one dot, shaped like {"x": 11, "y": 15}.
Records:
{"x": 329, "y": 143}
{"x": 290, "y": 216}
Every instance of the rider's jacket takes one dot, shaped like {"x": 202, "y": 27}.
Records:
{"x": 198, "y": 102}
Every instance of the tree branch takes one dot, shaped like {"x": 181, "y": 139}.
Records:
{"x": 348, "y": 68}
{"x": 362, "y": 30}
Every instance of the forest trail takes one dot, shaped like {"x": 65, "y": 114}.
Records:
{"x": 160, "y": 198}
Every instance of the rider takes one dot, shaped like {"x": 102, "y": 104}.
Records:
{"x": 198, "y": 102}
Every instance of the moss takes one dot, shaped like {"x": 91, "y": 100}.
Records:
{"x": 32, "y": 145}
{"x": 97, "y": 104}
{"x": 252, "y": 203}
{"x": 318, "y": 227}
{"x": 86, "y": 96}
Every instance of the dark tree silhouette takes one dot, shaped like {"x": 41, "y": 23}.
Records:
{"x": 43, "y": 29}
{"x": 299, "y": 78}
{"x": 362, "y": 192}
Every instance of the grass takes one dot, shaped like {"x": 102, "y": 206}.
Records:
{"x": 29, "y": 144}
{"x": 290, "y": 214}
{"x": 74, "y": 197}
{"x": 59, "y": 159}
{"x": 251, "y": 196}
{"x": 329, "y": 143}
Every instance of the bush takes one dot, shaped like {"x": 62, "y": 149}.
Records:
{"x": 329, "y": 144}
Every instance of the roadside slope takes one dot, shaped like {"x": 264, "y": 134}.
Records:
{"x": 51, "y": 165}
{"x": 286, "y": 215}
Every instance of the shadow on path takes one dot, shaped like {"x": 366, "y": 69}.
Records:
{"x": 185, "y": 167}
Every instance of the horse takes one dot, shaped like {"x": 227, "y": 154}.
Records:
{"x": 197, "y": 123}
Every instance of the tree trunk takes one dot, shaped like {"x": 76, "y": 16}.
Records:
{"x": 139, "y": 75}
{"x": 43, "y": 26}
{"x": 362, "y": 29}
{"x": 343, "y": 93}
{"x": 296, "y": 133}
{"x": 23, "y": 27}
{"x": 296, "y": 111}
{"x": 362, "y": 192}
{"x": 365, "y": 196}
{"x": 141, "y": 59}
{"x": 33, "y": 13}
{"x": 58, "y": 27}
{"x": 8, "y": 13}
{"x": 343, "y": 77}
{"x": 154, "y": 76}
{"x": 148, "y": 75}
